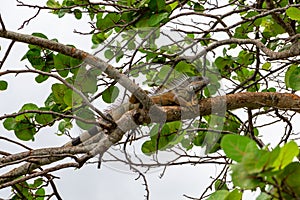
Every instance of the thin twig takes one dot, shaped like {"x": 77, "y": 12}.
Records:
{"x": 2, "y": 24}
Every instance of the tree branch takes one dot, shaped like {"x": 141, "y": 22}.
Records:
{"x": 87, "y": 58}
{"x": 255, "y": 100}
{"x": 293, "y": 51}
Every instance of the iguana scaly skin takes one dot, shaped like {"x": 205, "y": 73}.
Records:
{"x": 183, "y": 93}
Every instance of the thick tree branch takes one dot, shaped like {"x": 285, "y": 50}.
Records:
{"x": 255, "y": 100}
{"x": 86, "y": 57}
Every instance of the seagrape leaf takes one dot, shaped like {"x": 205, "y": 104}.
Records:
{"x": 218, "y": 195}
{"x": 266, "y": 66}
{"x": 287, "y": 153}
{"x": 292, "y": 77}
{"x": 237, "y": 146}
{"x": 157, "y": 18}
{"x": 9, "y": 123}
{"x": 226, "y": 195}
{"x": 3, "y": 85}
{"x": 293, "y": 13}
{"x": 62, "y": 64}
{"x": 86, "y": 114}
{"x": 59, "y": 91}
{"x": 40, "y": 193}
{"x": 25, "y": 131}
{"x": 157, "y": 5}
{"x": 290, "y": 178}
{"x": 148, "y": 147}
{"x": 242, "y": 179}
{"x": 25, "y": 107}
{"x": 53, "y": 4}
{"x": 110, "y": 94}
{"x": 77, "y": 14}
{"x": 44, "y": 118}
{"x": 220, "y": 185}
{"x": 86, "y": 80}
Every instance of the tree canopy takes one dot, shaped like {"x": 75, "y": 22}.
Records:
{"x": 249, "y": 51}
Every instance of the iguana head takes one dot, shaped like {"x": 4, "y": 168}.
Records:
{"x": 197, "y": 83}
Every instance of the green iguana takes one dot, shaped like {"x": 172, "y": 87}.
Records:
{"x": 182, "y": 92}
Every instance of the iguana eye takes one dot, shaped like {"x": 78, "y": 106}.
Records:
{"x": 191, "y": 88}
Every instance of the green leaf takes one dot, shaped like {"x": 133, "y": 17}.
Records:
{"x": 148, "y": 147}
{"x": 64, "y": 126}
{"x": 157, "y": 18}
{"x": 44, "y": 119}
{"x": 169, "y": 134}
{"x": 41, "y": 35}
{"x": 86, "y": 80}
{"x": 172, "y": 6}
{"x": 199, "y": 139}
{"x": 3, "y": 85}
{"x": 62, "y": 12}
{"x": 218, "y": 195}
{"x": 110, "y": 94}
{"x": 287, "y": 153}
{"x": 292, "y": 77}
{"x": 58, "y": 91}
{"x": 99, "y": 38}
{"x": 79, "y": 2}
{"x": 220, "y": 185}
{"x": 41, "y": 78}
{"x": 62, "y": 64}
{"x": 198, "y": 7}
{"x": 157, "y": 5}
{"x": 25, "y": 131}
{"x": 86, "y": 114}
{"x": 290, "y": 177}
{"x": 184, "y": 67}
{"x": 22, "y": 190}
{"x": 110, "y": 20}
{"x": 29, "y": 106}
{"x": 225, "y": 65}
{"x": 266, "y": 66}
{"x": 37, "y": 182}
{"x": 77, "y": 14}
{"x": 75, "y": 63}
{"x": 260, "y": 160}
{"x": 68, "y": 98}
{"x": 264, "y": 196}
{"x": 293, "y": 13}
{"x": 236, "y": 146}
{"x": 234, "y": 195}
{"x": 40, "y": 193}
{"x": 119, "y": 56}
{"x": 242, "y": 179}
{"x": 143, "y": 22}
{"x": 35, "y": 59}
{"x": 131, "y": 45}
{"x": 10, "y": 124}
{"x": 53, "y": 4}
{"x": 109, "y": 54}
{"x": 25, "y": 107}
